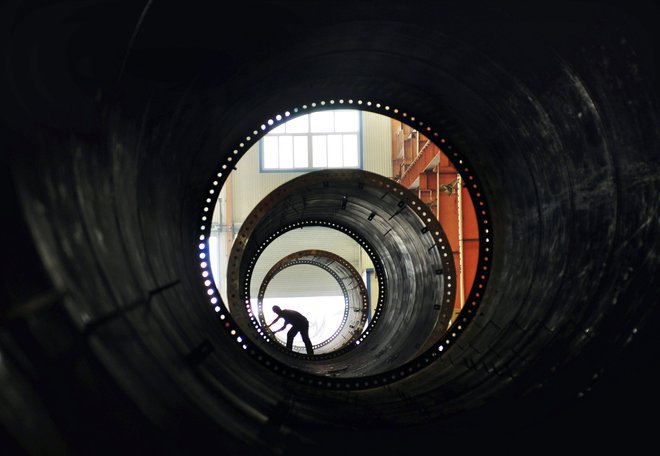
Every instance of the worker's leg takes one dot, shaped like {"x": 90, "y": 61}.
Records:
{"x": 304, "y": 332}
{"x": 289, "y": 337}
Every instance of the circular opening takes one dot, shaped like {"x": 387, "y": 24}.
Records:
{"x": 323, "y": 285}
{"x": 326, "y": 310}
{"x": 414, "y": 159}
{"x": 244, "y": 257}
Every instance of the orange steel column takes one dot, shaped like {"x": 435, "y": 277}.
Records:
{"x": 397, "y": 145}
{"x": 448, "y": 218}
{"x": 470, "y": 241}
{"x": 444, "y": 205}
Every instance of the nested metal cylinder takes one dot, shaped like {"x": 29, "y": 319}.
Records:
{"x": 354, "y": 291}
{"x": 407, "y": 246}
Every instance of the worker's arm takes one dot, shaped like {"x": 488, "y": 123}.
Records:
{"x": 275, "y": 321}
{"x": 283, "y": 326}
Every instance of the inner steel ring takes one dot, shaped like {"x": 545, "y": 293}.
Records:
{"x": 405, "y": 240}
{"x": 356, "y": 299}
{"x": 378, "y": 270}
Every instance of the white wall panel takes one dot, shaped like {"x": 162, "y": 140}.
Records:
{"x": 320, "y": 283}
{"x": 377, "y": 143}
{"x": 250, "y": 186}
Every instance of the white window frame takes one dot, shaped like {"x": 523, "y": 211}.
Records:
{"x": 351, "y": 138}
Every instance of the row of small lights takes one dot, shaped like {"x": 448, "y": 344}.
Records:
{"x": 262, "y": 292}
{"x": 396, "y": 189}
{"x": 456, "y": 328}
{"x": 357, "y": 238}
{"x": 421, "y": 211}
{"x": 251, "y": 221}
{"x": 377, "y": 180}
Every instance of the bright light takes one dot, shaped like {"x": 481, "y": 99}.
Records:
{"x": 214, "y": 257}
{"x": 325, "y": 314}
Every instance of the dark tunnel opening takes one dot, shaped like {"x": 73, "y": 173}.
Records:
{"x": 116, "y": 116}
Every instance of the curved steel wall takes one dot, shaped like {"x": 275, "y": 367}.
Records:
{"x": 114, "y": 132}
{"x": 354, "y": 291}
{"x": 410, "y": 253}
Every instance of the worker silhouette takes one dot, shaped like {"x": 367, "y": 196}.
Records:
{"x": 299, "y": 324}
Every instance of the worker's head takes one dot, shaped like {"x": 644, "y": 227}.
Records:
{"x": 277, "y": 309}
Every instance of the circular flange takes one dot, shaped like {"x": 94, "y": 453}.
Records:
{"x": 354, "y": 291}
{"x": 369, "y": 380}
{"x": 405, "y": 241}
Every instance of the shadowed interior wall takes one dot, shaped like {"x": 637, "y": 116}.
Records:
{"x": 115, "y": 116}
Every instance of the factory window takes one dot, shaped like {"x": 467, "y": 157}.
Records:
{"x": 322, "y": 139}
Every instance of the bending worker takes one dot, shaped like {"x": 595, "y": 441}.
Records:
{"x": 299, "y": 324}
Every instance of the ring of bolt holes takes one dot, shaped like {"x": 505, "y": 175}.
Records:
{"x": 377, "y": 180}
{"x": 346, "y": 302}
{"x": 334, "y": 275}
{"x": 362, "y": 291}
{"x": 382, "y": 294}
{"x": 470, "y": 306}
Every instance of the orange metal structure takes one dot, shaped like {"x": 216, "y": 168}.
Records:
{"x": 422, "y": 166}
